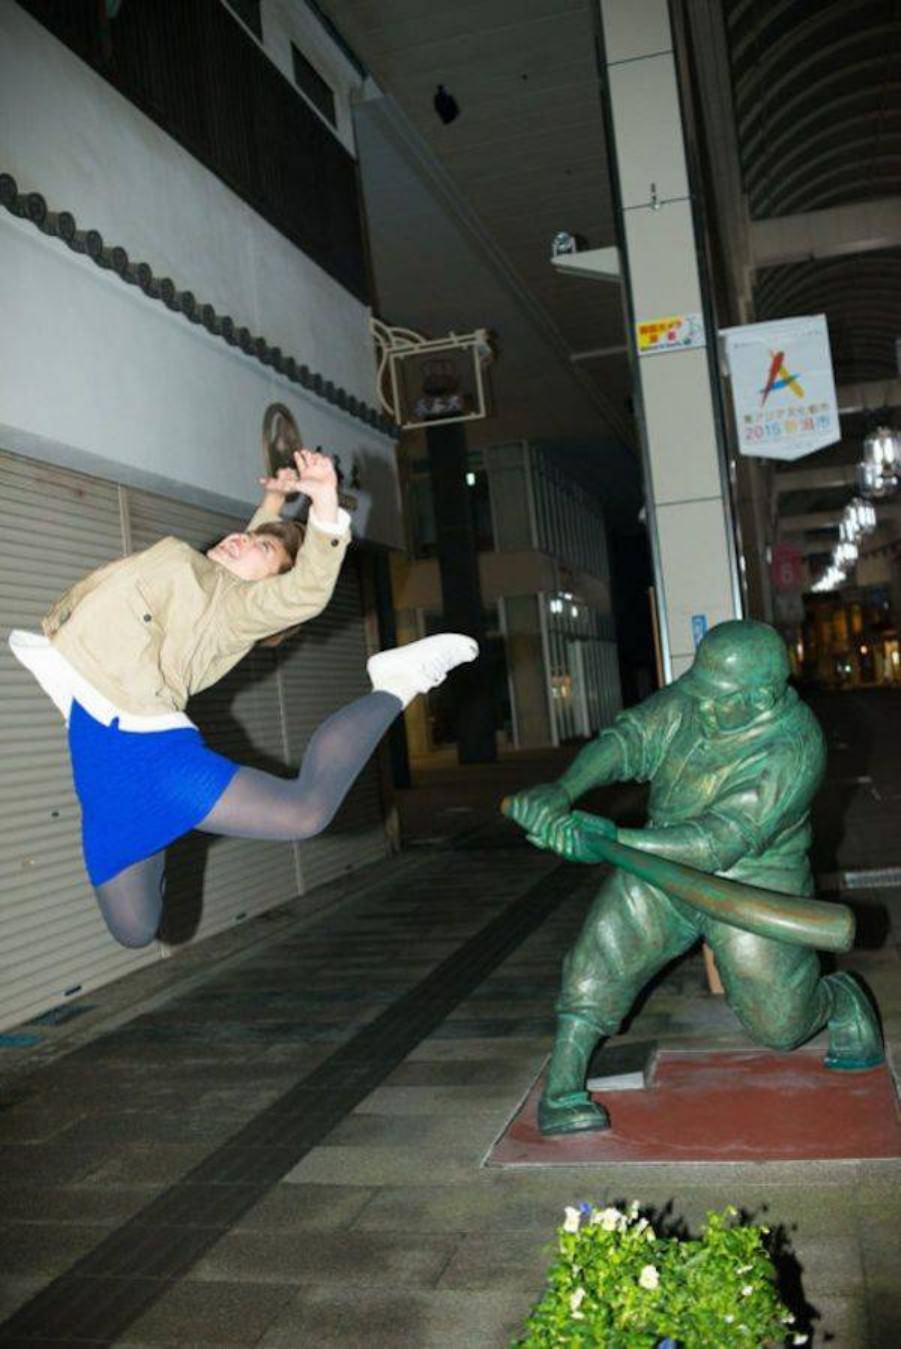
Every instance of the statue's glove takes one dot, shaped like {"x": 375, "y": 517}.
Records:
{"x": 537, "y": 808}
{"x": 574, "y": 837}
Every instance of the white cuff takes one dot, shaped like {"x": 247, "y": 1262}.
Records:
{"x": 339, "y": 526}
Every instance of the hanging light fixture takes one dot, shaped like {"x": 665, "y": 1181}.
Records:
{"x": 878, "y": 471}
{"x": 859, "y": 517}
{"x": 844, "y": 554}
{"x": 831, "y": 579}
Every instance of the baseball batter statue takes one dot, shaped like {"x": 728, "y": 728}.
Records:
{"x": 733, "y": 758}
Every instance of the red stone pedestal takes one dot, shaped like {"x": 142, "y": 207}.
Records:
{"x": 737, "y": 1106}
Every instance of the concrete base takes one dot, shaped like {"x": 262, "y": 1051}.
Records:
{"x": 725, "y": 1106}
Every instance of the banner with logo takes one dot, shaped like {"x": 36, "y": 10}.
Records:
{"x": 783, "y": 388}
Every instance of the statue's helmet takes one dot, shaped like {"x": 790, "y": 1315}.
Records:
{"x": 740, "y": 655}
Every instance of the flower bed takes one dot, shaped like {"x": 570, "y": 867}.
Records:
{"x": 617, "y": 1283}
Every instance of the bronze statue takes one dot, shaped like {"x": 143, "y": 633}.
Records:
{"x": 733, "y": 758}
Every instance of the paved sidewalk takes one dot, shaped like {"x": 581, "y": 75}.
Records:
{"x": 276, "y": 1139}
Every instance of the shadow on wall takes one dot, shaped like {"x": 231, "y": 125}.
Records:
{"x": 187, "y": 858}
{"x": 377, "y": 513}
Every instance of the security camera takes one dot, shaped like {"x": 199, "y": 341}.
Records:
{"x": 563, "y": 243}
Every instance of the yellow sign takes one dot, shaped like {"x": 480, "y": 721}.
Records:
{"x": 672, "y": 332}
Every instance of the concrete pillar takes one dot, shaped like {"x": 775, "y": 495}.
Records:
{"x": 461, "y": 598}
{"x": 689, "y": 519}
{"x": 528, "y": 675}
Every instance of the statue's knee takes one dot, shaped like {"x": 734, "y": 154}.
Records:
{"x": 771, "y": 1023}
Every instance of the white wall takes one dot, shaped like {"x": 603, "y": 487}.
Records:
{"x": 96, "y": 376}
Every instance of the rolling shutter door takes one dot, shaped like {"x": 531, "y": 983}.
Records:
{"x": 322, "y": 668}
{"x": 214, "y": 882}
{"x": 54, "y": 527}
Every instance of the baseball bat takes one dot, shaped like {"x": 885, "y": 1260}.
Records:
{"x": 767, "y": 913}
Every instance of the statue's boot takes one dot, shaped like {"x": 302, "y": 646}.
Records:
{"x": 855, "y": 1040}
{"x": 565, "y": 1107}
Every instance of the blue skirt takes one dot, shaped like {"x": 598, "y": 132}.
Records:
{"x": 139, "y": 791}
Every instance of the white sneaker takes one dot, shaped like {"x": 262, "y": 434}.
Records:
{"x": 420, "y": 666}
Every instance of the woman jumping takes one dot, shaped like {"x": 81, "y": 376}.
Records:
{"x": 124, "y": 650}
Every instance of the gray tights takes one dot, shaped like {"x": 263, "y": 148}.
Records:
{"x": 259, "y": 805}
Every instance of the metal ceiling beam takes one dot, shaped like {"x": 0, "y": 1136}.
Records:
{"x": 888, "y": 512}
{"x": 859, "y": 227}
{"x": 869, "y": 396}
{"x": 800, "y": 524}
{"x": 598, "y": 353}
{"x": 814, "y": 479}
{"x": 841, "y": 109}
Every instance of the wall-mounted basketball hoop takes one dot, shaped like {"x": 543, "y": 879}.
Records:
{"x": 428, "y": 382}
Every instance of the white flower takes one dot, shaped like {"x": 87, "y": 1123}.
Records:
{"x": 633, "y": 1209}
{"x": 576, "y": 1299}
{"x": 571, "y": 1221}
{"x": 650, "y": 1235}
{"x": 641, "y": 1224}
{"x": 747, "y": 1290}
{"x": 788, "y": 1319}
{"x": 649, "y": 1278}
{"x": 799, "y": 1339}
{"x": 609, "y": 1218}
{"x": 729, "y": 1319}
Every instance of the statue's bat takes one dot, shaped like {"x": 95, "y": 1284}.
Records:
{"x": 788, "y": 918}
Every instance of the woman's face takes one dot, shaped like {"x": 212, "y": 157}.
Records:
{"x": 252, "y": 557}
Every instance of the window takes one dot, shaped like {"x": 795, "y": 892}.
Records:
{"x": 196, "y": 70}
{"x": 311, "y": 83}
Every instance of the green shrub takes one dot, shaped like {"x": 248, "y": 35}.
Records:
{"x": 617, "y": 1283}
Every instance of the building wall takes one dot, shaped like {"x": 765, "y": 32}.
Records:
{"x": 291, "y": 21}
{"x": 98, "y": 377}
{"x": 544, "y": 565}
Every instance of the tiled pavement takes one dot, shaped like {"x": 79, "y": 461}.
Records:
{"x": 277, "y": 1138}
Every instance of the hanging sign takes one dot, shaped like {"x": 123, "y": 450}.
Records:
{"x": 783, "y": 388}
{"x": 786, "y": 568}
{"x": 672, "y": 332}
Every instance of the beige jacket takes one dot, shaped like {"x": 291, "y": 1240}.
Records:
{"x": 149, "y": 630}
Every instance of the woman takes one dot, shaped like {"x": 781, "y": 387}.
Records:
{"x": 125, "y": 648}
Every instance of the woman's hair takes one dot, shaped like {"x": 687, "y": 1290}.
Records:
{"x": 290, "y": 535}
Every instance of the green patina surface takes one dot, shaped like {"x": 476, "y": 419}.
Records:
{"x": 733, "y": 759}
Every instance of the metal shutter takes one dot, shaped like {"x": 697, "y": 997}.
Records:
{"x": 214, "y": 882}
{"x": 54, "y": 527}
{"x": 322, "y": 668}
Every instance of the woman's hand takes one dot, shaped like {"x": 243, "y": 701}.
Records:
{"x": 317, "y": 479}
{"x": 314, "y": 475}
{"x": 284, "y": 484}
